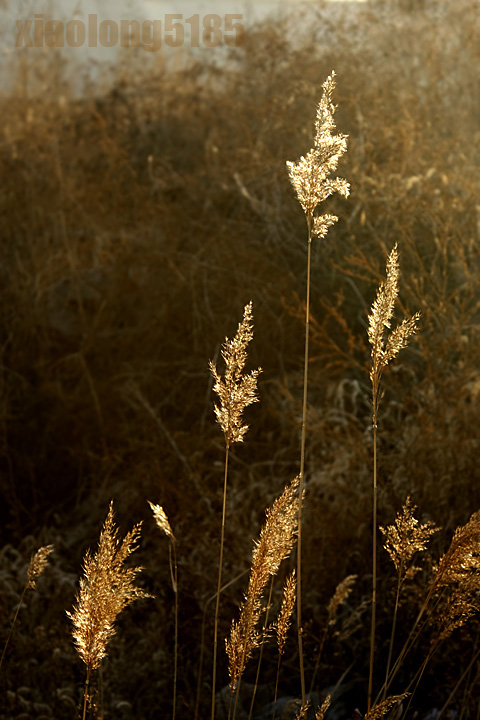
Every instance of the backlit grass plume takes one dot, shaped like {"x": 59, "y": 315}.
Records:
{"x": 277, "y": 538}
{"x": 311, "y": 181}
{"x": 385, "y": 346}
{"x": 403, "y": 540}
{"x": 106, "y": 588}
{"x": 236, "y": 391}
{"x": 38, "y": 563}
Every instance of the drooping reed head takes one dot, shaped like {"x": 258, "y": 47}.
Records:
{"x": 236, "y": 390}
{"x": 310, "y": 176}
{"x": 106, "y": 588}
{"x": 161, "y": 520}
{"x": 38, "y": 563}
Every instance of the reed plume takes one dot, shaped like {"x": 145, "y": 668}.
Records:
{"x": 38, "y": 563}
{"x": 106, "y": 588}
{"x": 312, "y": 184}
{"x": 236, "y": 392}
{"x": 276, "y": 540}
{"x": 385, "y": 346}
{"x": 403, "y": 540}
{"x": 161, "y": 520}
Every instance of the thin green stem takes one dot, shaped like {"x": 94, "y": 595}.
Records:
{"x": 302, "y": 467}
{"x": 219, "y": 584}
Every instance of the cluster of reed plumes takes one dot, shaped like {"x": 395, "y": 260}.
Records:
{"x": 449, "y": 591}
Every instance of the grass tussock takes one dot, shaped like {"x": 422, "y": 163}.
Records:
{"x": 137, "y": 222}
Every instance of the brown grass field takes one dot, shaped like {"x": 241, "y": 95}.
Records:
{"x": 136, "y": 224}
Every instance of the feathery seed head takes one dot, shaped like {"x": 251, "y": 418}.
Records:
{"x": 236, "y": 391}
{"x": 38, "y": 563}
{"x": 284, "y": 616}
{"x": 276, "y": 540}
{"x": 309, "y": 176}
{"x": 341, "y": 593}
{"x": 405, "y": 538}
{"x": 106, "y": 588}
{"x": 385, "y": 349}
{"x": 162, "y": 520}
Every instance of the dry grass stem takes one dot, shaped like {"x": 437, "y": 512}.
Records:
{"x": 236, "y": 392}
{"x": 37, "y": 565}
{"x": 161, "y": 520}
{"x": 310, "y": 180}
{"x": 383, "y": 350}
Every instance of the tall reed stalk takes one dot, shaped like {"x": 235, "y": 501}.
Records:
{"x": 163, "y": 524}
{"x": 236, "y": 392}
{"x": 310, "y": 179}
{"x": 384, "y": 349}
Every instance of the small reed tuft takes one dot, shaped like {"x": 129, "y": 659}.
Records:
{"x": 405, "y": 538}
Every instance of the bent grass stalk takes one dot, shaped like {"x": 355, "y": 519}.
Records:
{"x": 236, "y": 392}
{"x": 163, "y": 524}
{"x": 37, "y": 565}
{"x": 384, "y": 349}
{"x": 311, "y": 182}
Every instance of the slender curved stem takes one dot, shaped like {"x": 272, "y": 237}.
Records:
{"x": 219, "y": 585}
{"x": 302, "y": 467}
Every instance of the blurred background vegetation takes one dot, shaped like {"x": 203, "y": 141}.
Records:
{"x": 136, "y": 223}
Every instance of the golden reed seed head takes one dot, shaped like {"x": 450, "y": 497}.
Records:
{"x": 405, "y": 538}
{"x": 277, "y": 538}
{"x": 310, "y": 176}
{"x": 236, "y": 391}
{"x": 380, "y": 709}
{"x": 284, "y": 616}
{"x": 341, "y": 593}
{"x": 106, "y": 588}
{"x": 162, "y": 520}
{"x": 38, "y": 563}
{"x": 386, "y": 348}
{"x": 457, "y": 578}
